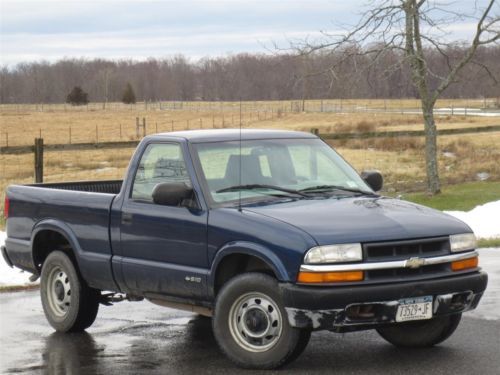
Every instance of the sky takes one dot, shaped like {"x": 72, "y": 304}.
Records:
{"x": 137, "y": 29}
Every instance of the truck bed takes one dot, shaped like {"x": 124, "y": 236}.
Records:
{"x": 81, "y": 209}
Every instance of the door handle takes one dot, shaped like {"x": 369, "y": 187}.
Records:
{"x": 126, "y": 218}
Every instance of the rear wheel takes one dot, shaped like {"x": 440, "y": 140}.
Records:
{"x": 251, "y": 326}
{"x": 68, "y": 303}
{"x": 420, "y": 334}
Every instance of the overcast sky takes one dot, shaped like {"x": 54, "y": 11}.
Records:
{"x": 138, "y": 29}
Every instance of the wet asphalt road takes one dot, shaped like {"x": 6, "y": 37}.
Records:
{"x": 136, "y": 338}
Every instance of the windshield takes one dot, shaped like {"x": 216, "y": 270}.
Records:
{"x": 290, "y": 164}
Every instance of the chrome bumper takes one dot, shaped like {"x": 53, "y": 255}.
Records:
{"x": 414, "y": 262}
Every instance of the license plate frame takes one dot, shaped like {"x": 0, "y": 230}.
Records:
{"x": 415, "y": 308}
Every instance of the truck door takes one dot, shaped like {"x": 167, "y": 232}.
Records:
{"x": 163, "y": 248}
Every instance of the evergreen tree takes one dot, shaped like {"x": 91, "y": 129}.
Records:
{"x": 77, "y": 96}
{"x": 128, "y": 96}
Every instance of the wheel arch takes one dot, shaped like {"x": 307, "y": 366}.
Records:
{"x": 241, "y": 256}
{"x": 50, "y": 235}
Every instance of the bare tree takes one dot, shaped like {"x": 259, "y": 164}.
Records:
{"x": 415, "y": 27}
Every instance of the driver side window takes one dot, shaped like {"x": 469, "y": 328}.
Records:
{"x": 160, "y": 163}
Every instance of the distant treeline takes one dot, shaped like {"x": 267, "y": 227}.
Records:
{"x": 245, "y": 77}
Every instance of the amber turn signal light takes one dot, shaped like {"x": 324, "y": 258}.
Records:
{"x": 329, "y": 277}
{"x": 461, "y": 265}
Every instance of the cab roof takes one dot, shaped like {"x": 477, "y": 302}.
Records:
{"x": 222, "y": 135}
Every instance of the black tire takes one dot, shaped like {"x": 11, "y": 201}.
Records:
{"x": 68, "y": 303}
{"x": 420, "y": 334}
{"x": 280, "y": 343}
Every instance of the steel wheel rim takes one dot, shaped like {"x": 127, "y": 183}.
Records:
{"x": 58, "y": 292}
{"x": 255, "y": 322}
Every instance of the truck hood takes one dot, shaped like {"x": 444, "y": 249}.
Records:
{"x": 362, "y": 219}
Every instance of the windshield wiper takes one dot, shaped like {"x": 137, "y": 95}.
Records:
{"x": 323, "y": 188}
{"x": 261, "y": 186}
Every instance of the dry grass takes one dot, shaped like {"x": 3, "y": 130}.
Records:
{"x": 20, "y": 124}
{"x": 462, "y": 157}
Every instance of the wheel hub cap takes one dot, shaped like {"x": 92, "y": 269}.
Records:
{"x": 255, "y": 322}
{"x": 58, "y": 292}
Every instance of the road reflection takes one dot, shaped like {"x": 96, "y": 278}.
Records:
{"x": 183, "y": 345}
{"x": 71, "y": 354}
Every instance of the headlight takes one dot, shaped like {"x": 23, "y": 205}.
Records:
{"x": 334, "y": 253}
{"x": 461, "y": 242}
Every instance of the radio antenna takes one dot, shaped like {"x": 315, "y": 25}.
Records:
{"x": 240, "y": 182}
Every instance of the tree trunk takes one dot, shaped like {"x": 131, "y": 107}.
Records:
{"x": 431, "y": 160}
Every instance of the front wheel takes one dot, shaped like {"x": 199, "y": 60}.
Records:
{"x": 68, "y": 303}
{"x": 420, "y": 334}
{"x": 251, "y": 326}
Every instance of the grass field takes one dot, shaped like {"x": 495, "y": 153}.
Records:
{"x": 462, "y": 157}
{"x": 460, "y": 197}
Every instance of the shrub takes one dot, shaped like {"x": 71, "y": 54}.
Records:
{"x": 77, "y": 96}
{"x": 128, "y": 96}
{"x": 365, "y": 126}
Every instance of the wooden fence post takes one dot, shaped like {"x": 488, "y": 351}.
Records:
{"x": 38, "y": 160}
{"x": 144, "y": 126}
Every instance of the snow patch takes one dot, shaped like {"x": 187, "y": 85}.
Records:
{"x": 11, "y": 276}
{"x": 484, "y": 220}
{"x": 105, "y": 169}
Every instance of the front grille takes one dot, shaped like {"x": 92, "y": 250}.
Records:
{"x": 403, "y": 250}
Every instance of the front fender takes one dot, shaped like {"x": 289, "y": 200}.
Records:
{"x": 252, "y": 249}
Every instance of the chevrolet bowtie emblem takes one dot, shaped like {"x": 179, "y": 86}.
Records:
{"x": 415, "y": 263}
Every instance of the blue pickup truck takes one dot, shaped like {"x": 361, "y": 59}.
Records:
{"x": 270, "y": 233}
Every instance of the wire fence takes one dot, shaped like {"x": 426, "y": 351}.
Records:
{"x": 106, "y": 122}
{"x": 304, "y": 105}
{"x": 129, "y": 128}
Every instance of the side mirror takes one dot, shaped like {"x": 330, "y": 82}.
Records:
{"x": 171, "y": 193}
{"x": 374, "y": 179}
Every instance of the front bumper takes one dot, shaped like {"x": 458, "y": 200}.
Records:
{"x": 338, "y": 308}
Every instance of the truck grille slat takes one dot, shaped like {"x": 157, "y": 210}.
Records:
{"x": 402, "y": 250}
{"x": 399, "y": 250}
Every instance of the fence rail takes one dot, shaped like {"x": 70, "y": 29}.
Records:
{"x": 39, "y": 147}
{"x": 409, "y": 133}
{"x": 128, "y": 144}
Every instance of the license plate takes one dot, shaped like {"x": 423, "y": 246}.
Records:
{"x": 418, "y": 308}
